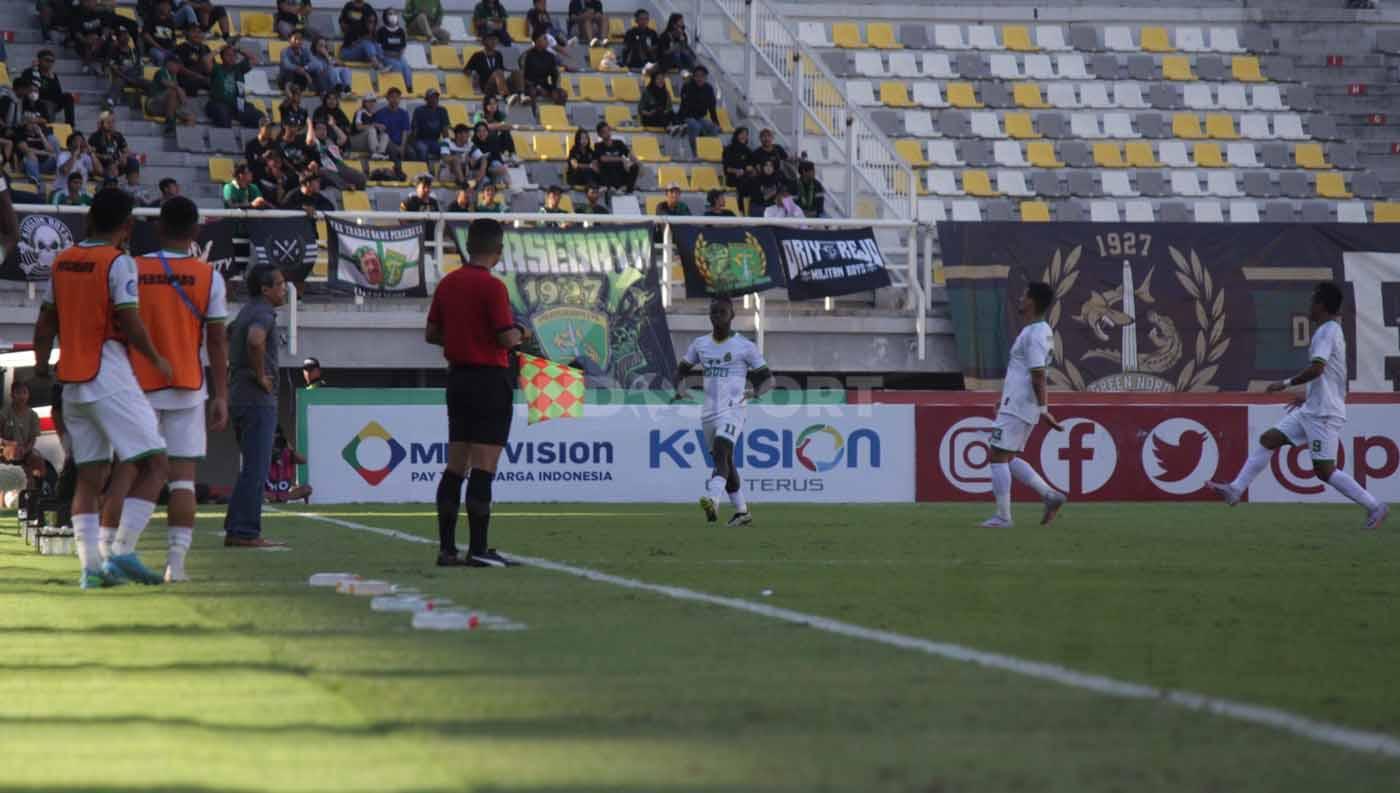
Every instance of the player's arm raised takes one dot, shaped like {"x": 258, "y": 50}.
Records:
{"x": 1038, "y": 385}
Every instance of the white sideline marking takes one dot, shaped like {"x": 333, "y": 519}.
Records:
{"x": 1319, "y": 731}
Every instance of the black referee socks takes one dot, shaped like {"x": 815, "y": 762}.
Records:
{"x": 479, "y": 508}
{"x": 449, "y": 496}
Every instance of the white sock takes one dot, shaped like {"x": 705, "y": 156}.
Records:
{"x": 85, "y": 534}
{"x": 1349, "y": 487}
{"x": 1258, "y": 458}
{"x": 737, "y": 499}
{"x": 136, "y": 513}
{"x": 108, "y": 535}
{"x": 1027, "y": 476}
{"x": 1001, "y": 488}
{"x": 716, "y": 488}
{"x": 180, "y": 539}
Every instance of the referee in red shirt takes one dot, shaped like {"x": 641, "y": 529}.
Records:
{"x": 471, "y": 320}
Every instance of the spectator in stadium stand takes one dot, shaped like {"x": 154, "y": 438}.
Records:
{"x": 487, "y": 68}
{"x": 253, "y": 347}
{"x": 27, "y": 95}
{"x": 769, "y": 151}
{"x": 738, "y": 166}
{"x": 73, "y": 194}
{"x": 641, "y": 45}
{"x": 428, "y": 125}
{"x": 309, "y": 197}
{"x": 311, "y": 373}
{"x": 226, "y": 103}
{"x": 595, "y": 204}
{"x": 86, "y": 32}
{"x": 654, "y": 109}
{"x": 76, "y": 158}
{"x": 358, "y": 22}
{"x": 243, "y": 192}
{"x": 586, "y": 19}
{"x": 783, "y": 205}
{"x": 122, "y": 63}
{"x": 326, "y": 153}
{"x": 674, "y": 46}
{"x": 486, "y": 200}
{"x": 552, "y": 197}
{"x": 167, "y": 99}
{"x": 109, "y": 147}
{"x": 330, "y": 113}
{"x": 765, "y": 188}
{"x": 462, "y": 203}
{"x": 421, "y": 199}
{"x": 489, "y": 17}
{"x": 811, "y": 196}
{"x": 498, "y": 123}
{"x": 394, "y": 122}
{"x": 492, "y": 164}
{"x": 338, "y": 76}
{"x": 299, "y": 66}
{"x": 37, "y": 149}
{"x": 714, "y": 205}
{"x": 673, "y": 206}
{"x": 203, "y": 15}
{"x": 169, "y": 188}
{"x": 365, "y": 135}
{"x": 698, "y": 110}
{"x": 538, "y": 22}
{"x": 51, "y": 95}
{"x": 158, "y": 33}
{"x": 196, "y": 61}
{"x": 617, "y": 169}
{"x": 276, "y": 181}
{"x": 393, "y": 40}
{"x": 456, "y": 157}
{"x": 583, "y": 164}
{"x": 539, "y": 74}
{"x": 19, "y": 432}
{"x": 266, "y": 139}
{"x": 292, "y": 16}
{"x": 293, "y": 115}
{"x": 140, "y": 193}
{"x": 292, "y": 146}
{"x": 424, "y": 18}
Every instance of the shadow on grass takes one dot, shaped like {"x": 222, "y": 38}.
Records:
{"x": 585, "y": 788}
{"x": 238, "y": 667}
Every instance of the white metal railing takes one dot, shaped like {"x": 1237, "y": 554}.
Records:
{"x": 909, "y": 273}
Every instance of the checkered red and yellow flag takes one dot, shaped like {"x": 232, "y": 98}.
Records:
{"x": 552, "y": 390}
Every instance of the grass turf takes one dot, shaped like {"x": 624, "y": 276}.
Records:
{"x": 250, "y": 680}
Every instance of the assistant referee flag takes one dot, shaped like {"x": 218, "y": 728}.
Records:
{"x": 552, "y": 390}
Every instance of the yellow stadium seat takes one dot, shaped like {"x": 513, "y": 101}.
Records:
{"x": 457, "y": 113}
{"x": 1108, "y": 155}
{"x": 275, "y": 50}
{"x": 1019, "y": 126}
{"x": 1188, "y": 126}
{"x": 912, "y": 151}
{"x": 895, "y": 94}
{"x": 901, "y": 183}
{"x": 1245, "y": 69}
{"x": 1041, "y": 154}
{"x": 550, "y": 146}
{"x": 617, "y": 28}
{"x": 882, "y": 36}
{"x": 1208, "y": 155}
{"x": 220, "y": 170}
{"x": 1221, "y": 126}
{"x": 847, "y": 36}
{"x": 468, "y": 51}
{"x": 128, "y": 12}
{"x": 596, "y": 56}
{"x": 709, "y": 149}
{"x": 356, "y": 201}
{"x": 1310, "y": 155}
{"x": 647, "y": 149}
{"x": 61, "y": 133}
{"x": 704, "y": 178}
{"x": 1017, "y": 38}
{"x": 524, "y": 143}
{"x": 1028, "y": 95}
{"x": 653, "y": 202}
{"x": 258, "y": 25}
{"x": 445, "y": 58}
{"x": 554, "y": 118}
{"x": 1385, "y": 212}
{"x": 591, "y": 88}
{"x": 962, "y": 95}
{"x": 1177, "y": 67}
{"x": 725, "y": 124}
{"x": 360, "y": 83}
{"x": 4, "y": 74}
{"x": 389, "y": 80}
{"x": 618, "y": 117}
{"x": 423, "y": 82}
{"x": 1155, "y": 39}
{"x": 459, "y": 86}
{"x": 566, "y": 202}
{"x": 626, "y": 89}
{"x": 516, "y": 27}
{"x": 1140, "y": 155}
{"x": 1035, "y": 212}
{"x": 667, "y": 175}
{"x": 978, "y": 184}
{"x": 1332, "y": 185}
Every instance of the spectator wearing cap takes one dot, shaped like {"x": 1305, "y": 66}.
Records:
{"x": 421, "y": 199}
{"x": 365, "y": 135}
{"x": 243, "y": 192}
{"x": 487, "y": 68}
{"x": 428, "y": 125}
{"x": 309, "y": 197}
{"x": 394, "y": 122}
{"x": 311, "y": 373}
{"x": 595, "y": 205}
{"x": 51, "y": 95}
{"x": 714, "y": 205}
{"x": 73, "y": 194}
{"x": 424, "y": 18}
{"x": 673, "y": 206}
{"x": 226, "y": 103}
{"x": 393, "y": 40}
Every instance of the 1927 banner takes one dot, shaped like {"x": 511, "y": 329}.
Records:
{"x": 610, "y": 325}
{"x": 379, "y": 260}
{"x": 728, "y": 260}
{"x": 1174, "y": 307}
{"x": 41, "y": 237}
{"x": 550, "y": 249}
{"x": 215, "y": 243}
{"x": 830, "y": 263}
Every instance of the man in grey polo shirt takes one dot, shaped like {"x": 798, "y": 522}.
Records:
{"x": 253, "y": 342}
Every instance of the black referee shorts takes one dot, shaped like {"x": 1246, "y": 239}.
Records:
{"x": 480, "y": 404}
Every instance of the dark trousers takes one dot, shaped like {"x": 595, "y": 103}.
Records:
{"x": 255, "y": 426}
{"x": 618, "y": 177}
{"x": 223, "y": 115}
{"x": 64, "y": 103}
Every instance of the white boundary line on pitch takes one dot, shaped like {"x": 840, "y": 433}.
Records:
{"x": 1319, "y": 731}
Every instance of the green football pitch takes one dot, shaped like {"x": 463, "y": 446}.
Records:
{"x": 250, "y": 680}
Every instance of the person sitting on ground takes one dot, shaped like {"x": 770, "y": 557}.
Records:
{"x": 226, "y": 91}
{"x": 673, "y": 205}
{"x": 393, "y": 40}
{"x": 282, "y": 473}
{"x": 617, "y": 168}
{"x": 595, "y": 205}
{"x": 423, "y": 18}
{"x": 641, "y": 45}
{"x": 714, "y": 205}
{"x": 811, "y": 196}
{"x": 583, "y": 163}
{"x": 158, "y": 33}
{"x": 699, "y": 110}
{"x": 358, "y": 24}
{"x": 486, "y": 200}
{"x": 539, "y": 23}
{"x": 539, "y": 74}
{"x": 421, "y": 199}
{"x": 19, "y": 434}
{"x": 587, "y": 20}
{"x": 654, "y": 109}
{"x": 674, "y": 46}
{"x": 293, "y": 16}
{"x": 462, "y": 203}
{"x": 73, "y": 195}
{"x": 489, "y": 16}
{"x": 243, "y": 192}
{"x": 394, "y": 122}
{"x": 428, "y": 125}
{"x": 487, "y": 69}
{"x": 196, "y": 62}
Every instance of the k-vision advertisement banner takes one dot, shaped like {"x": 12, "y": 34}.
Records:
{"x": 830, "y": 263}
{"x": 288, "y": 244}
{"x": 379, "y": 260}
{"x": 728, "y": 260}
{"x": 215, "y": 243}
{"x": 1174, "y": 307}
{"x": 552, "y": 250}
{"x": 41, "y": 237}
{"x": 610, "y": 325}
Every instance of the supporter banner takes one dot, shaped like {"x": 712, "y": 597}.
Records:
{"x": 1174, "y": 307}
{"x": 830, "y": 263}
{"x": 728, "y": 260}
{"x": 289, "y": 244}
{"x": 552, "y": 250}
{"x": 390, "y": 445}
{"x": 41, "y": 237}
{"x": 215, "y": 243}
{"x": 612, "y": 326}
{"x": 379, "y": 260}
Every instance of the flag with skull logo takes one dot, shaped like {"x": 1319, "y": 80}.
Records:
{"x": 41, "y": 237}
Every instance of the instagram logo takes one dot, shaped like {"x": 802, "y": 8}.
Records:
{"x": 963, "y": 454}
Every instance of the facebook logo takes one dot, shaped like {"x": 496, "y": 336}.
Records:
{"x": 1079, "y": 460}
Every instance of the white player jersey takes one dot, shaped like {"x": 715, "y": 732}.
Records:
{"x": 726, "y": 366}
{"x": 1327, "y": 395}
{"x": 1030, "y": 351}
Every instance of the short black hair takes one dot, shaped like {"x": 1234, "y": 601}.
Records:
{"x": 75, "y": 175}
{"x": 485, "y": 236}
{"x": 166, "y": 182}
{"x": 242, "y": 167}
{"x": 1329, "y": 295}
{"x": 1041, "y": 294}
{"x": 602, "y": 125}
{"x": 806, "y": 166}
{"x": 260, "y": 278}
{"x": 712, "y": 195}
{"x": 555, "y": 189}
{"x": 179, "y": 218}
{"x": 640, "y": 13}
{"x": 700, "y": 70}
{"x": 110, "y": 209}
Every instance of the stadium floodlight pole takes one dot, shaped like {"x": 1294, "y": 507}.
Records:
{"x": 752, "y": 32}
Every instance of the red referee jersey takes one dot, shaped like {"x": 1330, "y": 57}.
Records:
{"x": 472, "y": 306}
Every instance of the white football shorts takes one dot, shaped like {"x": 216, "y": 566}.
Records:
{"x": 728, "y": 425}
{"x": 124, "y": 423}
{"x": 1319, "y": 434}
{"x": 1010, "y": 433}
{"x": 183, "y": 430}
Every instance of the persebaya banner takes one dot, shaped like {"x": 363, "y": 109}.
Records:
{"x": 727, "y": 260}
{"x": 1174, "y": 307}
{"x": 41, "y": 237}
{"x": 382, "y": 260}
{"x": 611, "y": 326}
{"x": 215, "y": 243}
{"x": 600, "y": 249}
{"x": 830, "y": 263}
{"x": 288, "y": 244}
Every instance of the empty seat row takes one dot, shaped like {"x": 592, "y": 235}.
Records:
{"x": 1021, "y": 38}
{"x": 1065, "y": 66}
{"x": 933, "y": 210}
{"x": 1060, "y": 126}
{"x": 1107, "y": 154}
{"x": 1125, "y": 184}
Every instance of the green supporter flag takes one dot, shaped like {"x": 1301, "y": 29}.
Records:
{"x": 552, "y": 390}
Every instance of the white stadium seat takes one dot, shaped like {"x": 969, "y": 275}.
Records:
{"x": 1138, "y": 212}
{"x": 257, "y": 84}
{"x": 1255, "y": 126}
{"x": 982, "y": 37}
{"x": 1209, "y": 212}
{"x": 942, "y": 182}
{"x": 1004, "y": 66}
{"x": 948, "y": 37}
{"x": 1289, "y": 126}
{"x": 1232, "y": 97}
{"x": 1039, "y": 67}
{"x": 1173, "y": 154}
{"x": 1243, "y": 210}
{"x": 1062, "y": 95}
{"x": 1225, "y": 40}
{"x": 861, "y": 92}
{"x": 1104, "y": 212}
{"x": 919, "y": 123}
{"x": 1223, "y": 184}
{"x": 1128, "y": 95}
{"x": 1050, "y": 38}
{"x": 1241, "y": 155}
{"x": 944, "y": 153}
{"x": 1119, "y": 125}
{"x": 814, "y": 34}
{"x": 1268, "y": 97}
{"x": 1190, "y": 40}
{"x": 1085, "y": 125}
{"x": 1197, "y": 96}
{"x": 927, "y": 94}
{"x": 1008, "y": 154}
{"x": 1095, "y": 94}
{"x": 1116, "y": 184}
{"x": 904, "y": 64}
{"x": 1186, "y": 183}
{"x": 1013, "y": 183}
{"x": 1118, "y": 38}
{"x": 937, "y": 64}
{"x": 967, "y": 211}
{"x": 1071, "y": 66}
{"x": 1351, "y": 212}
{"x": 931, "y": 210}
{"x": 416, "y": 57}
{"x": 626, "y": 205}
{"x": 868, "y": 63}
{"x": 986, "y": 125}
